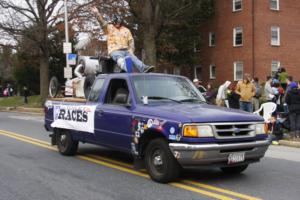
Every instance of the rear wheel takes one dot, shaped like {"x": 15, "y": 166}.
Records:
{"x": 160, "y": 162}
{"x": 65, "y": 143}
{"x": 53, "y": 87}
{"x": 235, "y": 169}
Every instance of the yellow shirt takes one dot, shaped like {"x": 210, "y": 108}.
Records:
{"x": 118, "y": 38}
{"x": 245, "y": 90}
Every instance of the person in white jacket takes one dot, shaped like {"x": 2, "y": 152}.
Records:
{"x": 221, "y": 96}
{"x": 269, "y": 92}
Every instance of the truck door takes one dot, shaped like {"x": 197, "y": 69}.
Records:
{"x": 113, "y": 117}
{"x": 94, "y": 99}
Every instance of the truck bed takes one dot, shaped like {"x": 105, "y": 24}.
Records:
{"x": 69, "y": 99}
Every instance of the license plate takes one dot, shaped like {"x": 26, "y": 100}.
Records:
{"x": 236, "y": 158}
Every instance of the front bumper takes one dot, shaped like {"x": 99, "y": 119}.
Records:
{"x": 217, "y": 154}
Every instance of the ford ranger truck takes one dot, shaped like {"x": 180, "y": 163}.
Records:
{"x": 162, "y": 120}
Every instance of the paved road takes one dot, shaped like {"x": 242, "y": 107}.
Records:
{"x": 30, "y": 169}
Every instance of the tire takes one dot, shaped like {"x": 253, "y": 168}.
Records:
{"x": 160, "y": 162}
{"x": 234, "y": 170}
{"x": 65, "y": 143}
{"x": 53, "y": 87}
{"x": 88, "y": 83}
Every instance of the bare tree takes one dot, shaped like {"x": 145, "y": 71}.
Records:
{"x": 34, "y": 21}
{"x": 154, "y": 15}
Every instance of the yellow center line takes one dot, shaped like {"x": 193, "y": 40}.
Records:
{"x": 26, "y": 137}
{"x": 210, "y": 187}
{"x": 125, "y": 167}
{"x": 123, "y": 164}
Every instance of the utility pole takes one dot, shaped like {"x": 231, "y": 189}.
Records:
{"x": 67, "y": 44}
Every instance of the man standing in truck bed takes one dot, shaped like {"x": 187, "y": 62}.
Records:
{"x": 120, "y": 42}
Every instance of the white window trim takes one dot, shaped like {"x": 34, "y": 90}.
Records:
{"x": 278, "y": 65}
{"x": 210, "y": 39}
{"x": 210, "y": 71}
{"x": 233, "y": 5}
{"x": 175, "y": 70}
{"x": 234, "y": 36}
{"x": 277, "y": 1}
{"x": 277, "y": 43}
{"x": 234, "y": 70}
{"x": 196, "y": 69}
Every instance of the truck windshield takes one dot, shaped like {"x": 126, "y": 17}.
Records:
{"x": 166, "y": 88}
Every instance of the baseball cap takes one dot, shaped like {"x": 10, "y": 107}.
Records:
{"x": 293, "y": 85}
{"x": 195, "y": 80}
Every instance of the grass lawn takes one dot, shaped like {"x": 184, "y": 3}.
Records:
{"x": 15, "y": 101}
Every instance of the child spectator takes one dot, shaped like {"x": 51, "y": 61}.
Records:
{"x": 275, "y": 129}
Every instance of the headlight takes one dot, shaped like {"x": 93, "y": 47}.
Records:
{"x": 261, "y": 129}
{"x": 197, "y": 131}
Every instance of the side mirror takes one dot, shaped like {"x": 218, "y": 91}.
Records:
{"x": 128, "y": 105}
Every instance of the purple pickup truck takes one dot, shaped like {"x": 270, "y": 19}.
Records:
{"x": 162, "y": 120}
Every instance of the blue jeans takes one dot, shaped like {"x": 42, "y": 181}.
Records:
{"x": 123, "y": 53}
{"x": 246, "y": 106}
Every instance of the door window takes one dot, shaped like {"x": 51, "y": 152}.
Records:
{"x": 96, "y": 90}
{"x": 118, "y": 93}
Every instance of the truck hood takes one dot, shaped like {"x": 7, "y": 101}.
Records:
{"x": 199, "y": 113}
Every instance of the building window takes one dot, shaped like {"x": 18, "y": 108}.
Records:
{"x": 237, "y": 5}
{"x": 275, "y": 36}
{"x": 212, "y": 39}
{"x": 176, "y": 71}
{"x": 274, "y": 67}
{"x": 274, "y": 4}
{"x": 212, "y": 71}
{"x": 238, "y": 70}
{"x": 238, "y": 36}
{"x": 198, "y": 72}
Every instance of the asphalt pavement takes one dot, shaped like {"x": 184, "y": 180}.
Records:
{"x": 31, "y": 169}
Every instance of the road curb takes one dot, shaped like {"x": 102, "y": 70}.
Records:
{"x": 289, "y": 143}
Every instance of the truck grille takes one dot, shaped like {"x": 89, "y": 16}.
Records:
{"x": 234, "y": 130}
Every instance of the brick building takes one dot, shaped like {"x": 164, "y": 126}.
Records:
{"x": 250, "y": 36}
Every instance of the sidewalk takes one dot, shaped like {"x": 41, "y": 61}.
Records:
{"x": 290, "y": 143}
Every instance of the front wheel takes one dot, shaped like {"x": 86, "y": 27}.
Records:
{"x": 235, "y": 169}
{"x": 160, "y": 162}
{"x": 65, "y": 143}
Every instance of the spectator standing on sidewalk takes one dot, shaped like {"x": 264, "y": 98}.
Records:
{"x": 232, "y": 97}
{"x": 221, "y": 96}
{"x": 210, "y": 94}
{"x": 257, "y": 93}
{"x": 269, "y": 92}
{"x": 199, "y": 85}
{"x": 246, "y": 90}
{"x": 289, "y": 80}
{"x": 282, "y": 76}
{"x": 26, "y": 93}
{"x": 293, "y": 102}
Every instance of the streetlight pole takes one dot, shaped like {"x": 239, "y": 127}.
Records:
{"x": 66, "y": 29}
